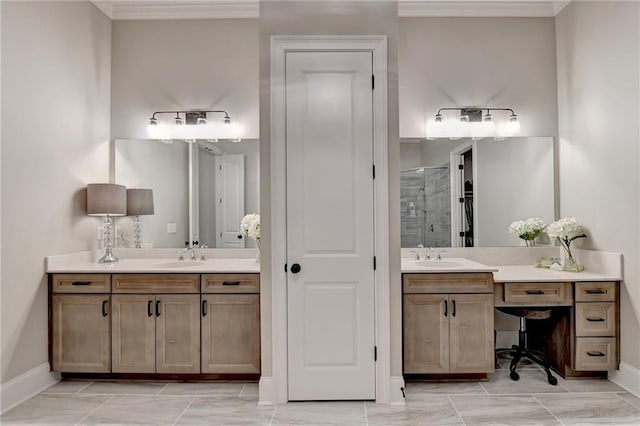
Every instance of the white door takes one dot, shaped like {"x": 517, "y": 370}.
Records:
{"x": 229, "y": 200}
{"x": 330, "y": 225}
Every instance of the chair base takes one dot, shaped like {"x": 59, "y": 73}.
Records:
{"x": 519, "y": 353}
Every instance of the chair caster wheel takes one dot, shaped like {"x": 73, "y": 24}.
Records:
{"x": 553, "y": 381}
{"x": 514, "y": 376}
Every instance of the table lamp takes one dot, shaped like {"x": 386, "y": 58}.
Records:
{"x": 139, "y": 202}
{"x": 108, "y": 200}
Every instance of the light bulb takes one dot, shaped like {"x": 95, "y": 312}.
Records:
{"x": 201, "y": 121}
{"x": 464, "y": 118}
{"x": 178, "y": 121}
{"x": 513, "y": 125}
{"x": 438, "y": 118}
{"x": 227, "y": 120}
{"x": 488, "y": 118}
{"x": 152, "y": 122}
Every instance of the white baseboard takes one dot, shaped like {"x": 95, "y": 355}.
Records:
{"x": 266, "y": 391}
{"x": 26, "y": 385}
{"x": 397, "y": 387}
{"x": 627, "y": 377}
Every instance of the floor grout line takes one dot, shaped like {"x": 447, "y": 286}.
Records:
{"x": 548, "y": 409}
{"x": 163, "y": 388}
{"x": 84, "y": 387}
{"x": 453, "y": 404}
{"x": 241, "y": 389}
{"x": 96, "y": 409}
{"x": 275, "y": 407}
{"x": 484, "y": 389}
{"x": 627, "y": 401}
{"x": 184, "y": 411}
{"x": 366, "y": 416}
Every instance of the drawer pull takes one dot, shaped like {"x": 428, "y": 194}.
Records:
{"x": 231, "y": 283}
{"x": 593, "y": 353}
{"x": 535, "y": 291}
{"x": 149, "y": 310}
{"x": 596, "y": 291}
{"x": 446, "y": 308}
{"x": 454, "y": 308}
{"x": 595, "y": 319}
{"x": 157, "y": 308}
{"x": 204, "y": 308}
{"x": 81, "y": 283}
{"x": 104, "y": 308}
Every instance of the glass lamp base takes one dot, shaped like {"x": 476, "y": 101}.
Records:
{"x": 108, "y": 257}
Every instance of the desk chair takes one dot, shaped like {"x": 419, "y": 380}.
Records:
{"x": 520, "y": 350}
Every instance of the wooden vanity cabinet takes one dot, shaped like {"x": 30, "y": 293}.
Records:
{"x": 80, "y": 323}
{"x": 156, "y": 333}
{"x": 448, "y": 323}
{"x": 231, "y": 323}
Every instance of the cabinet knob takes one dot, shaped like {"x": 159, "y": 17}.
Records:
{"x": 295, "y": 268}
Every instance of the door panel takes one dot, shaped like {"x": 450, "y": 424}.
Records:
{"x": 231, "y": 334}
{"x": 471, "y": 333}
{"x": 178, "y": 333}
{"x": 134, "y": 334}
{"x": 426, "y": 333}
{"x": 229, "y": 200}
{"x": 330, "y": 225}
{"x": 81, "y": 333}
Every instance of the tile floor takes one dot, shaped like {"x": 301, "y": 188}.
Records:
{"x": 530, "y": 401}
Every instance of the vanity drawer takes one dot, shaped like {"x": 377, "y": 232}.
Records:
{"x": 231, "y": 283}
{"x": 156, "y": 283}
{"x": 596, "y": 319}
{"x": 595, "y": 292}
{"x": 81, "y": 283}
{"x": 538, "y": 294}
{"x": 479, "y": 282}
{"x": 596, "y": 354}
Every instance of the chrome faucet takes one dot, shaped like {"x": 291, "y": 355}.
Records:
{"x": 186, "y": 250}
{"x": 417, "y": 256}
{"x": 429, "y": 251}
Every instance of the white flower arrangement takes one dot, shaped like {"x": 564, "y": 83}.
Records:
{"x": 566, "y": 230}
{"x": 250, "y": 226}
{"x": 528, "y": 229}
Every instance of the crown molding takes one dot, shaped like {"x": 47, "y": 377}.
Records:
{"x": 229, "y": 9}
{"x": 168, "y": 9}
{"x": 426, "y": 8}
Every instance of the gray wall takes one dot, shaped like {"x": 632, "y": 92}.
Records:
{"x": 598, "y": 98}
{"x": 183, "y": 64}
{"x": 501, "y": 62}
{"x": 56, "y": 70}
{"x": 338, "y": 18}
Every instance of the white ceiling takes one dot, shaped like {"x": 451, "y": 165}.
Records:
{"x": 219, "y": 9}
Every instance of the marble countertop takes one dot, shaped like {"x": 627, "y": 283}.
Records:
{"x": 528, "y": 273}
{"x": 158, "y": 265}
{"x": 452, "y": 264}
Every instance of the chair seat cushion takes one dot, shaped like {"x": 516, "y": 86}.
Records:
{"x": 528, "y": 313}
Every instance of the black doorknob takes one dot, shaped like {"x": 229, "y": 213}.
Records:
{"x": 295, "y": 268}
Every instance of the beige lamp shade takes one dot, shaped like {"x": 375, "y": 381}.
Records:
{"x": 139, "y": 201}
{"x": 106, "y": 199}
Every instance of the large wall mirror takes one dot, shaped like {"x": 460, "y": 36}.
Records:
{"x": 201, "y": 190}
{"x": 466, "y": 193}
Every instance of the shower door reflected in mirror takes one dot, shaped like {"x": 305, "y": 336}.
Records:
{"x": 425, "y": 196}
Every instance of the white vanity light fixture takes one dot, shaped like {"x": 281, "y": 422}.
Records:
{"x": 139, "y": 203}
{"x": 108, "y": 200}
{"x": 190, "y": 126}
{"x": 472, "y": 123}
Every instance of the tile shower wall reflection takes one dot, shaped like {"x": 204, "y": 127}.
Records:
{"x": 425, "y": 197}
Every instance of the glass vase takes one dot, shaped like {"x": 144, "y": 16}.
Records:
{"x": 570, "y": 264}
{"x": 258, "y": 250}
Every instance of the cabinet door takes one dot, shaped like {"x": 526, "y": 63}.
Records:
{"x": 134, "y": 332}
{"x": 231, "y": 333}
{"x": 81, "y": 333}
{"x": 471, "y": 333}
{"x": 426, "y": 333}
{"x": 178, "y": 333}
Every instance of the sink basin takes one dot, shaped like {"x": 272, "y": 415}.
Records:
{"x": 180, "y": 264}
{"x": 438, "y": 264}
